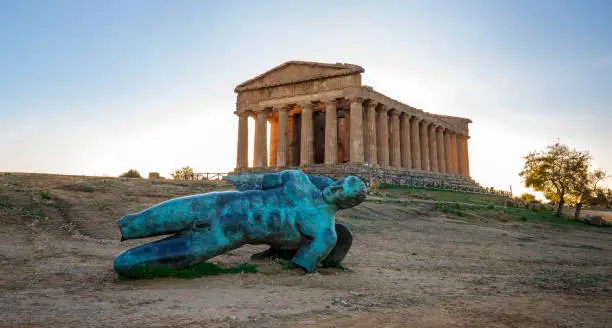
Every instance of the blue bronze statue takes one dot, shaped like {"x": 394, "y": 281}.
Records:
{"x": 291, "y": 211}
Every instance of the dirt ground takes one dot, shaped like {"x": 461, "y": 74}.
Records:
{"x": 410, "y": 266}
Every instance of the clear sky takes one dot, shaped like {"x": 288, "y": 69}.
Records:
{"x": 98, "y": 87}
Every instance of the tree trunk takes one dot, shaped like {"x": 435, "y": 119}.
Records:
{"x": 561, "y": 202}
{"x": 577, "y": 212}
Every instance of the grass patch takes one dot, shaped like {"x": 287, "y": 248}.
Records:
{"x": 34, "y": 212}
{"x": 4, "y": 202}
{"x": 45, "y": 194}
{"x": 443, "y": 195}
{"x": 591, "y": 247}
{"x": 196, "y": 271}
{"x": 87, "y": 188}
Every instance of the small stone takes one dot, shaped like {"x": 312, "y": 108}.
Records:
{"x": 344, "y": 303}
{"x": 233, "y": 317}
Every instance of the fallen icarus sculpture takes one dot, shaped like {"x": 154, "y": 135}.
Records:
{"x": 291, "y": 211}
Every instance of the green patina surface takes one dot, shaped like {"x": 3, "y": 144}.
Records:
{"x": 288, "y": 211}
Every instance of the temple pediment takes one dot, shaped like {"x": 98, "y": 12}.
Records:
{"x": 297, "y": 71}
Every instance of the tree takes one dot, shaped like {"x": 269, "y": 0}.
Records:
{"x": 186, "y": 173}
{"x": 585, "y": 188}
{"x": 553, "y": 172}
{"x": 131, "y": 173}
{"x": 527, "y": 198}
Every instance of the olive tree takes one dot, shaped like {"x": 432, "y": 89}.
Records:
{"x": 585, "y": 187}
{"x": 554, "y": 171}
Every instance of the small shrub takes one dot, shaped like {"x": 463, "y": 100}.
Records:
{"x": 131, "y": 174}
{"x": 45, "y": 194}
{"x": 490, "y": 206}
{"x": 86, "y": 188}
{"x": 523, "y": 218}
{"x": 460, "y": 213}
{"x": 186, "y": 173}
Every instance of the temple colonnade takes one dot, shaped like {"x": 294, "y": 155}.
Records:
{"x": 353, "y": 130}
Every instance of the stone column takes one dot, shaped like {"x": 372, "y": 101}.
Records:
{"x": 382, "y": 136}
{"x": 261, "y": 139}
{"x": 369, "y": 138}
{"x": 307, "y": 137}
{"x": 433, "y": 148}
{"x": 415, "y": 144}
{"x": 441, "y": 150}
{"x": 454, "y": 157}
{"x": 331, "y": 133}
{"x": 467, "y": 156}
{"x": 424, "y": 135}
{"x": 347, "y": 135}
{"x": 448, "y": 164}
{"x": 283, "y": 137}
{"x": 356, "y": 146}
{"x": 405, "y": 140}
{"x": 395, "y": 158}
{"x": 273, "y": 143}
{"x": 242, "y": 152}
{"x": 460, "y": 155}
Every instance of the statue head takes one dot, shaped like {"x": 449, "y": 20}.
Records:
{"x": 346, "y": 192}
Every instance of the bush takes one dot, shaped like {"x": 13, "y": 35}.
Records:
{"x": 45, "y": 194}
{"x": 131, "y": 174}
{"x": 186, "y": 173}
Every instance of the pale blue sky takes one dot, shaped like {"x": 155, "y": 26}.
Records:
{"x": 98, "y": 87}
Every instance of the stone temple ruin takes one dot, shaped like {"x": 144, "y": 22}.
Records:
{"x": 324, "y": 121}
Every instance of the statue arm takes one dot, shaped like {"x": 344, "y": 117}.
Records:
{"x": 264, "y": 181}
{"x": 255, "y": 181}
{"x": 321, "y": 240}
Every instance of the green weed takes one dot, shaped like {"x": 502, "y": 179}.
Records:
{"x": 45, "y": 194}
{"x": 195, "y": 271}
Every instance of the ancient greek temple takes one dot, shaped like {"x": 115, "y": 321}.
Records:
{"x": 322, "y": 117}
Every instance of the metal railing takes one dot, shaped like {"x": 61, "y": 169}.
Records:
{"x": 209, "y": 176}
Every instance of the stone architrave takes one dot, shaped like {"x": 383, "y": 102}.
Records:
{"x": 242, "y": 153}
{"x": 331, "y": 133}
{"x": 424, "y": 135}
{"x": 415, "y": 143}
{"x": 382, "y": 136}
{"x": 307, "y": 138}
{"x": 261, "y": 139}
{"x": 395, "y": 158}
{"x": 441, "y": 150}
{"x": 283, "y": 137}
{"x": 356, "y": 145}
{"x": 370, "y": 138}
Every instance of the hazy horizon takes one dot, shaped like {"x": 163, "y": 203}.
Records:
{"x": 97, "y": 88}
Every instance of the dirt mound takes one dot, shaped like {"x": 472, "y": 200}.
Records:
{"x": 411, "y": 265}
